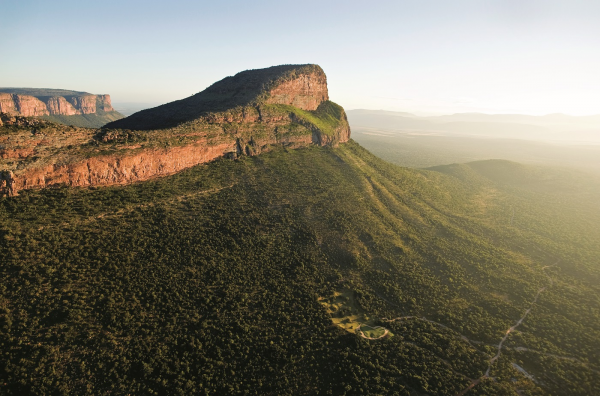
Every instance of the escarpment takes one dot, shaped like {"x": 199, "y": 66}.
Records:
{"x": 249, "y": 113}
{"x": 301, "y": 86}
{"x": 58, "y": 105}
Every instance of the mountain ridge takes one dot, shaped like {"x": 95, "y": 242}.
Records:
{"x": 67, "y": 107}
{"x": 244, "y": 116}
{"x": 301, "y": 86}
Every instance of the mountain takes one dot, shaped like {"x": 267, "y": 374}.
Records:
{"x": 241, "y": 96}
{"x": 323, "y": 270}
{"x": 67, "y": 107}
{"x": 247, "y": 114}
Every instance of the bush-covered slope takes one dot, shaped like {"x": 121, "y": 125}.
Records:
{"x": 228, "y": 277}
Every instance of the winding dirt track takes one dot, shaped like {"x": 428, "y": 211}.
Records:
{"x": 491, "y": 362}
{"x": 511, "y": 329}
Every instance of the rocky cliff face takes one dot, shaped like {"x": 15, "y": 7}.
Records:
{"x": 30, "y": 102}
{"x": 301, "y": 86}
{"x": 246, "y": 114}
{"x": 305, "y": 91}
{"x": 103, "y": 103}
{"x": 25, "y": 105}
{"x": 116, "y": 169}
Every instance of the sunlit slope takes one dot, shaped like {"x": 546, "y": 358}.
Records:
{"x": 221, "y": 279}
{"x": 548, "y": 208}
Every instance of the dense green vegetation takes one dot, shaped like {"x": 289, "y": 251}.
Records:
{"x": 212, "y": 281}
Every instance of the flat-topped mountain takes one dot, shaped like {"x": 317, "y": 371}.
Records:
{"x": 301, "y": 86}
{"x": 246, "y": 114}
{"x": 67, "y": 107}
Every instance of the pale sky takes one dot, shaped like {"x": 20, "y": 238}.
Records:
{"x": 510, "y": 56}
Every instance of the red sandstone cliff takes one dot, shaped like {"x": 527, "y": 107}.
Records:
{"x": 7, "y": 104}
{"x": 59, "y": 106}
{"x": 25, "y": 105}
{"x": 115, "y": 169}
{"x": 301, "y": 86}
{"x": 306, "y": 91}
{"x": 42, "y": 104}
{"x": 103, "y": 102}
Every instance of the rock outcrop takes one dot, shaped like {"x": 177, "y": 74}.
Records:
{"x": 25, "y": 105}
{"x": 58, "y": 105}
{"x": 306, "y": 91}
{"x": 246, "y": 114}
{"x": 301, "y": 86}
{"x": 32, "y": 102}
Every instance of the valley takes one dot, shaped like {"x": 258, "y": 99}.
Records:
{"x": 219, "y": 269}
{"x": 424, "y": 149}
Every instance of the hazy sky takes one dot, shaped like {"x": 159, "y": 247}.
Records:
{"x": 521, "y": 56}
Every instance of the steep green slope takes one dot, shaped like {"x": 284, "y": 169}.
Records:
{"x": 224, "y": 278}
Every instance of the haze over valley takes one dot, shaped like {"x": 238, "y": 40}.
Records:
{"x": 409, "y": 140}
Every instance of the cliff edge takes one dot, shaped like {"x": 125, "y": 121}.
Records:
{"x": 66, "y": 107}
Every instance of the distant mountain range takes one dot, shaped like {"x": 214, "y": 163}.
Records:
{"x": 128, "y": 108}
{"x": 552, "y": 127}
{"x": 63, "y": 106}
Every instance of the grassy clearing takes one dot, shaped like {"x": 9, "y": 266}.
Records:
{"x": 373, "y": 332}
{"x": 347, "y": 313}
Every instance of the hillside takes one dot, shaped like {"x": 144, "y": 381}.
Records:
{"x": 252, "y": 277}
{"x": 75, "y": 108}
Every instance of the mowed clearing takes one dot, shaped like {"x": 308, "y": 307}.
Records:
{"x": 349, "y": 315}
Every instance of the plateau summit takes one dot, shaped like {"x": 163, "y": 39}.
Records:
{"x": 58, "y": 105}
